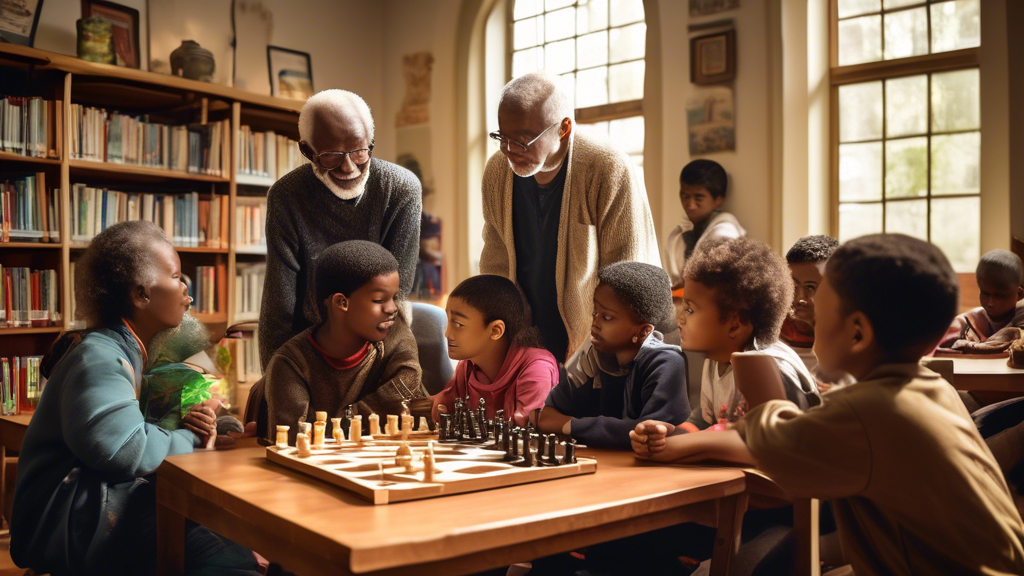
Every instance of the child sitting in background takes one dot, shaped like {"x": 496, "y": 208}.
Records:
{"x": 1000, "y": 277}
{"x": 502, "y": 359}
{"x": 914, "y": 488}
{"x": 806, "y": 261}
{"x": 702, "y": 187}
{"x": 737, "y": 294}
{"x": 625, "y": 374}
{"x": 360, "y": 352}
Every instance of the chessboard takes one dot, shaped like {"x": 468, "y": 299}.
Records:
{"x": 369, "y": 468}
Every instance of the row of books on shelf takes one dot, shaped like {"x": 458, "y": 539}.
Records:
{"x": 30, "y": 298}
{"x": 251, "y": 220}
{"x": 267, "y": 154}
{"x": 187, "y": 219}
{"x": 29, "y": 212}
{"x": 205, "y": 288}
{"x": 21, "y": 384}
{"x": 247, "y": 361}
{"x": 106, "y": 136}
{"x": 249, "y": 278}
{"x": 30, "y": 126}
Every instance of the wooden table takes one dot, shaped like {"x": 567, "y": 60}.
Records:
{"x": 311, "y": 527}
{"x": 987, "y": 374}
{"x": 12, "y": 434}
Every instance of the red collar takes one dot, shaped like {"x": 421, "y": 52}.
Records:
{"x": 341, "y": 363}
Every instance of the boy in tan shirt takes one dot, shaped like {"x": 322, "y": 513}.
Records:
{"x": 914, "y": 488}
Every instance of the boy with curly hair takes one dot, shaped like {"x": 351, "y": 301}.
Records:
{"x": 913, "y": 486}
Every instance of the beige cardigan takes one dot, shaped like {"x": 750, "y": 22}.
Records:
{"x": 605, "y": 218}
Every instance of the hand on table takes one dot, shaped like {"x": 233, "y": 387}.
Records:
{"x": 650, "y": 438}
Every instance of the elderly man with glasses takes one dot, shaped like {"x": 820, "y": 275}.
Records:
{"x": 558, "y": 206}
{"x": 342, "y": 194}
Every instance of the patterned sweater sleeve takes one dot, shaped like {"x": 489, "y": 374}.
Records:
{"x": 401, "y": 377}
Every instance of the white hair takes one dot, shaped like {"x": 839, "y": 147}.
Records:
{"x": 537, "y": 90}
{"x": 340, "y": 102}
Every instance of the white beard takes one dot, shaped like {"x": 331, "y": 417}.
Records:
{"x": 356, "y": 192}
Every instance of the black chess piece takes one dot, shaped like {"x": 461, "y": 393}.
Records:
{"x": 494, "y": 442}
{"x": 549, "y": 458}
{"x": 512, "y": 453}
{"x": 475, "y": 432}
{"x": 346, "y": 421}
{"x": 570, "y": 453}
{"x": 442, "y": 430}
{"x": 481, "y": 418}
{"x": 529, "y": 457}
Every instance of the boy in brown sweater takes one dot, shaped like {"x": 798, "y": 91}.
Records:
{"x": 913, "y": 486}
{"x": 361, "y": 351}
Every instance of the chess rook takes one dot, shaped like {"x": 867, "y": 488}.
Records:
{"x": 302, "y": 445}
{"x": 374, "y": 424}
{"x": 356, "y": 429}
{"x": 282, "y": 436}
{"x": 318, "y": 433}
{"x": 392, "y": 426}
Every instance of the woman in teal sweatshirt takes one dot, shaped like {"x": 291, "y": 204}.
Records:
{"x": 85, "y": 499}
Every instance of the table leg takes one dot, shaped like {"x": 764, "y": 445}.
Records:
{"x": 170, "y": 538}
{"x": 806, "y": 530}
{"x": 727, "y": 538}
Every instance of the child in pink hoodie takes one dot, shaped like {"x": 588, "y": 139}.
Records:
{"x": 501, "y": 358}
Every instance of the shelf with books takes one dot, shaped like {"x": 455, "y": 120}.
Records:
{"x": 253, "y": 180}
{"x": 179, "y": 249}
{"x": 29, "y": 245}
{"x": 211, "y": 318}
{"x": 113, "y": 170}
{"x": 26, "y": 331}
{"x": 11, "y": 157}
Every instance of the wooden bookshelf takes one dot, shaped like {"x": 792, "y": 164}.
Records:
{"x": 74, "y": 81}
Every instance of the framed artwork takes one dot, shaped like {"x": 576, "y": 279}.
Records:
{"x": 705, "y": 7}
{"x": 711, "y": 121}
{"x": 291, "y": 73}
{"x": 18, "y": 20}
{"x": 713, "y": 58}
{"x": 125, "y": 22}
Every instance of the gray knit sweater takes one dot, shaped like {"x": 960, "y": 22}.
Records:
{"x": 304, "y": 217}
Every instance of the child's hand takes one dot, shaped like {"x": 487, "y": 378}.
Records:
{"x": 201, "y": 420}
{"x": 650, "y": 437}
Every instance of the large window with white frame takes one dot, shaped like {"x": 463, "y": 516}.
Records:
{"x": 906, "y": 122}
{"x": 597, "y": 49}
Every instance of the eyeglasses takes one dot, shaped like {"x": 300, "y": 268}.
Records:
{"x": 331, "y": 159}
{"x": 520, "y": 147}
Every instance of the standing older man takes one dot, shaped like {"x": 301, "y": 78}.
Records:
{"x": 558, "y": 206}
{"x": 341, "y": 195}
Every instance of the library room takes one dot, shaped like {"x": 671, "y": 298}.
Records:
{"x": 511, "y": 287}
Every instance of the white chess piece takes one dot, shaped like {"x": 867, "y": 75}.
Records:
{"x": 302, "y": 444}
{"x": 355, "y": 431}
{"x": 429, "y": 464}
{"x": 336, "y": 432}
{"x": 406, "y": 426}
{"x": 374, "y": 424}
{"x": 318, "y": 433}
{"x": 282, "y": 436}
{"x": 392, "y": 427}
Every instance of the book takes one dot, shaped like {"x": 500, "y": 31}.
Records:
{"x": 28, "y": 126}
{"x": 266, "y": 154}
{"x": 30, "y": 298}
{"x": 29, "y": 211}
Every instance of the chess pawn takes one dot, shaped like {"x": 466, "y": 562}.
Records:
{"x": 429, "y": 463}
{"x": 356, "y": 429}
{"x": 570, "y": 453}
{"x": 374, "y": 424}
{"x": 442, "y": 428}
{"x": 481, "y": 418}
{"x": 422, "y": 424}
{"x": 306, "y": 428}
{"x": 392, "y": 427}
{"x": 406, "y": 426}
{"x": 321, "y": 416}
{"x": 552, "y": 459}
{"x": 282, "y": 436}
{"x": 346, "y": 421}
{"x": 403, "y": 456}
{"x": 302, "y": 445}
{"x": 512, "y": 454}
{"x": 336, "y": 432}
{"x": 318, "y": 433}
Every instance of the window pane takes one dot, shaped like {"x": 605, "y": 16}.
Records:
{"x": 908, "y": 217}
{"x": 627, "y": 134}
{"x": 859, "y": 219}
{"x": 860, "y": 111}
{"x": 626, "y": 82}
{"x": 591, "y": 87}
{"x": 592, "y": 50}
{"x": 956, "y": 163}
{"x": 856, "y": 7}
{"x": 628, "y": 42}
{"x": 526, "y": 61}
{"x": 860, "y": 40}
{"x": 860, "y": 171}
{"x": 906, "y": 167}
{"x": 890, "y": 4}
{"x": 524, "y": 8}
{"x": 906, "y": 33}
{"x": 627, "y": 11}
{"x": 956, "y": 25}
{"x": 956, "y": 229}
{"x": 592, "y": 16}
{"x": 638, "y": 166}
{"x": 556, "y": 4}
{"x": 560, "y": 56}
{"x": 567, "y": 82}
{"x": 906, "y": 106}
{"x": 561, "y": 24}
{"x": 529, "y": 32}
{"x": 955, "y": 101}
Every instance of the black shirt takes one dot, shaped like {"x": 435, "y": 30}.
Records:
{"x": 536, "y": 212}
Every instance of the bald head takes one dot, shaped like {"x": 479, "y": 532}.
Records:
{"x": 535, "y": 93}
{"x": 335, "y": 110}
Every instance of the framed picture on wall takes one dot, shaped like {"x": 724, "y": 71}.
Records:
{"x": 18, "y": 20}
{"x": 291, "y": 73}
{"x": 125, "y": 23}
{"x": 713, "y": 58}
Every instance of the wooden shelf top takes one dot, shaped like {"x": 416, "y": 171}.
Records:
{"x": 251, "y": 180}
{"x": 189, "y": 249}
{"x": 21, "y": 245}
{"x": 51, "y": 60}
{"x": 12, "y": 157}
{"x": 109, "y": 168}
{"x": 211, "y": 318}
{"x": 251, "y": 250}
{"x": 24, "y": 331}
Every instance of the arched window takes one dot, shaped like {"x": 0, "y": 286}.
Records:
{"x": 597, "y": 48}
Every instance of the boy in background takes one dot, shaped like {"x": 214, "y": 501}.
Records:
{"x": 1000, "y": 277}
